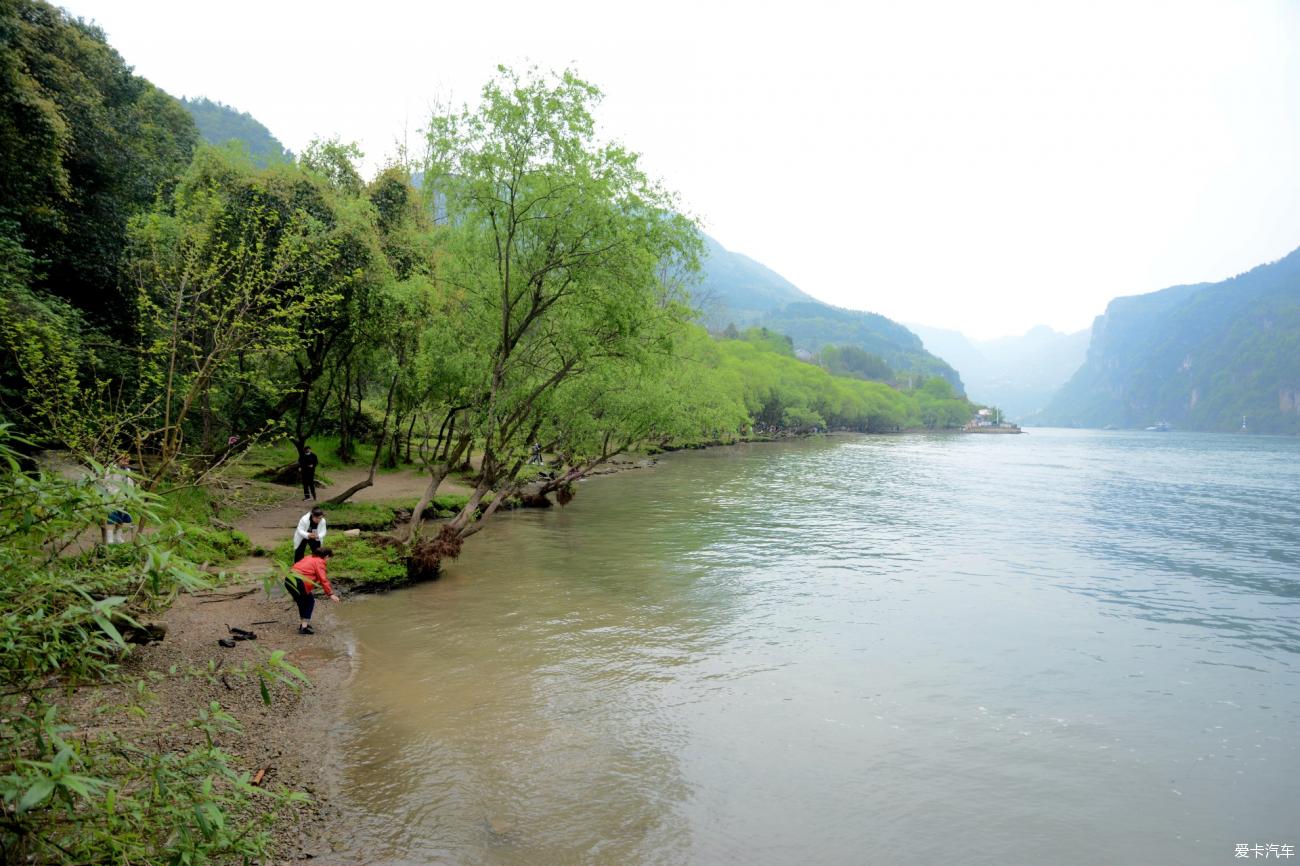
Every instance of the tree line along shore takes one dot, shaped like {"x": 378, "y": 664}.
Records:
{"x": 521, "y": 286}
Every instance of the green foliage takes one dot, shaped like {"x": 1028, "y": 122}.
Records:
{"x": 371, "y": 516}
{"x": 449, "y": 503}
{"x": 813, "y": 325}
{"x": 737, "y": 289}
{"x": 769, "y": 341}
{"x": 781, "y": 392}
{"x": 105, "y": 798}
{"x": 85, "y": 144}
{"x": 233, "y": 268}
{"x": 102, "y": 795}
{"x": 221, "y": 124}
{"x": 852, "y": 361}
{"x": 1199, "y": 357}
{"x": 939, "y": 406}
{"x": 363, "y": 562}
{"x": 359, "y": 562}
{"x": 559, "y": 257}
{"x": 281, "y": 452}
{"x": 209, "y": 544}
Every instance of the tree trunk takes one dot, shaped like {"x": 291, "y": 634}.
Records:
{"x": 345, "y": 451}
{"x": 379, "y": 447}
{"x": 410, "y": 432}
{"x": 439, "y": 471}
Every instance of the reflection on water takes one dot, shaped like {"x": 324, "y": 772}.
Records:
{"x": 1062, "y": 648}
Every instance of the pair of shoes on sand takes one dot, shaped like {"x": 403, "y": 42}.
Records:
{"x": 306, "y": 629}
{"x": 236, "y": 634}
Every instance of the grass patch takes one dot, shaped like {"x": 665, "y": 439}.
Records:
{"x": 371, "y": 516}
{"x": 281, "y": 453}
{"x": 359, "y": 562}
{"x": 210, "y": 544}
{"x": 375, "y": 516}
{"x": 362, "y": 563}
{"x": 450, "y": 504}
{"x": 189, "y": 511}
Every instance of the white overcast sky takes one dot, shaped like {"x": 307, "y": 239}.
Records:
{"x": 981, "y": 166}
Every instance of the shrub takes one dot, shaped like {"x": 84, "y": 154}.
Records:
{"x": 102, "y": 796}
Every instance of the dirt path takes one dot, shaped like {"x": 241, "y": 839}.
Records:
{"x": 268, "y": 528}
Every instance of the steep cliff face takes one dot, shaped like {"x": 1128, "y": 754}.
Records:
{"x": 1199, "y": 357}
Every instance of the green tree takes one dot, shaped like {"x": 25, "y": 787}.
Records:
{"x": 554, "y": 251}
{"x": 228, "y": 275}
{"x": 85, "y": 144}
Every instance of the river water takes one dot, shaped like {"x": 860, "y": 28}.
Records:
{"x": 1064, "y": 648}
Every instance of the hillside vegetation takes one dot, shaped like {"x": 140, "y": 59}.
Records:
{"x": 738, "y": 291}
{"x": 221, "y": 124}
{"x": 1199, "y": 357}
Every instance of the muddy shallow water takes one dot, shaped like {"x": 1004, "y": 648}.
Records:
{"x": 1064, "y": 647}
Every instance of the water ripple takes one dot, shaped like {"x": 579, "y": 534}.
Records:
{"x": 1065, "y": 647}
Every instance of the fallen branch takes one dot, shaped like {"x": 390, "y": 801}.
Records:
{"x": 218, "y": 598}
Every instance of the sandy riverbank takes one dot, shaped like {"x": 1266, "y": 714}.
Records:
{"x": 289, "y": 740}
{"x": 293, "y": 740}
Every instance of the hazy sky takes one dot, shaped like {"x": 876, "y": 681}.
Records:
{"x": 982, "y": 166}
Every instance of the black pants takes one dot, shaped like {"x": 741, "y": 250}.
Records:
{"x": 301, "y": 550}
{"x": 305, "y": 600}
{"x": 308, "y": 483}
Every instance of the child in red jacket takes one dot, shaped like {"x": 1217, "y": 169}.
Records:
{"x": 308, "y": 572}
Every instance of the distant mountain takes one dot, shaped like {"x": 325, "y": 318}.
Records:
{"x": 1199, "y": 357}
{"x": 1019, "y": 374}
{"x": 741, "y": 291}
{"x": 220, "y": 124}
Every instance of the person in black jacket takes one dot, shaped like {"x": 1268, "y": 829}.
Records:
{"x": 307, "y": 469}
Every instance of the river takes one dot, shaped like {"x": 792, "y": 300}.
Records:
{"x": 1066, "y": 647}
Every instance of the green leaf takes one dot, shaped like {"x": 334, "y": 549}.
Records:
{"x": 83, "y": 785}
{"x": 36, "y": 794}
{"x": 106, "y": 625}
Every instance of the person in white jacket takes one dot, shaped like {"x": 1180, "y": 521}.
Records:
{"x": 310, "y": 533}
{"x": 117, "y": 480}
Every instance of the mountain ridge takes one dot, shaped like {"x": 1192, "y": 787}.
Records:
{"x": 737, "y": 289}
{"x": 1018, "y": 373}
{"x": 220, "y": 124}
{"x": 1198, "y": 356}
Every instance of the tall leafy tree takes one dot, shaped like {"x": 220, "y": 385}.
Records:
{"x": 230, "y": 271}
{"x": 85, "y": 144}
{"x": 554, "y": 247}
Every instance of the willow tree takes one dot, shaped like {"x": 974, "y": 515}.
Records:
{"x": 554, "y": 244}
{"x": 673, "y": 397}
